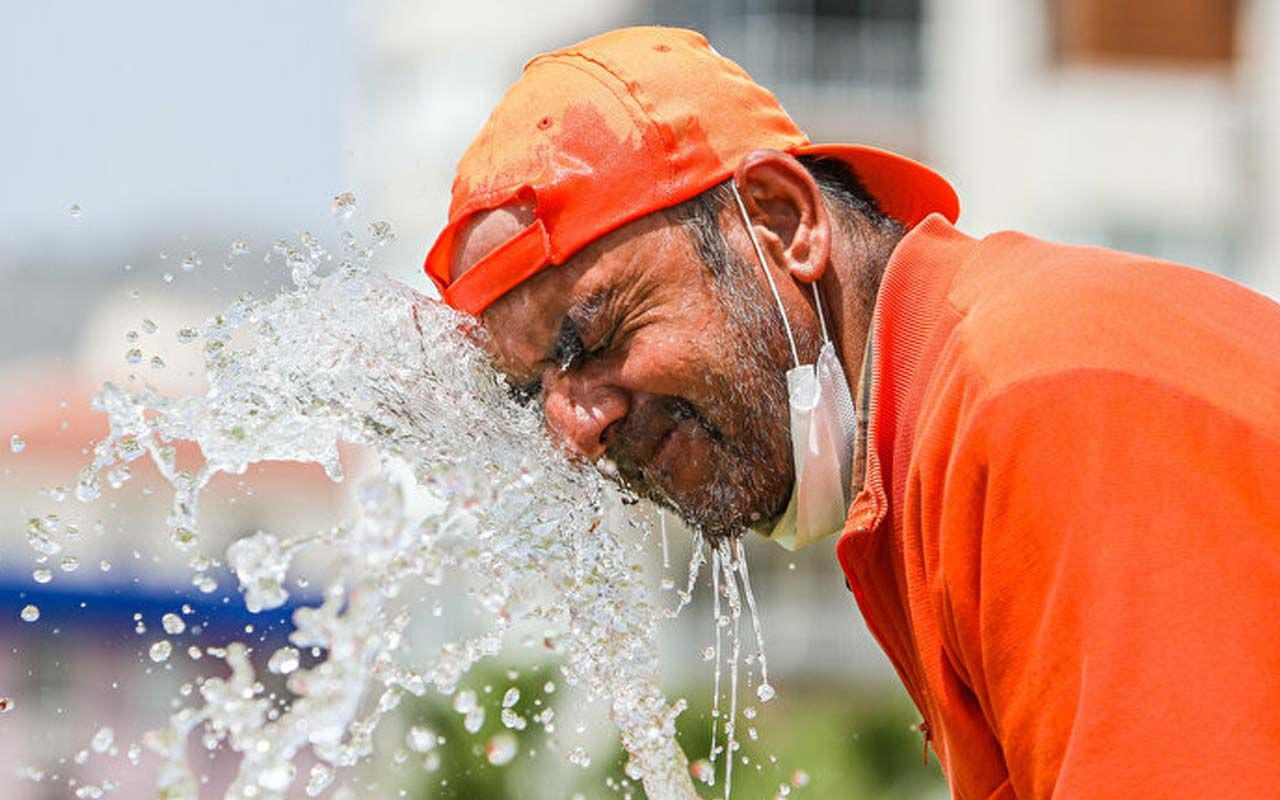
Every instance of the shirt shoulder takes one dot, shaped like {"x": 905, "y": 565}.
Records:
{"x": 1031, "y": 312}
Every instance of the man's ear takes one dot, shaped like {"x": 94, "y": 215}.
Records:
{"x": 787, "y": 211}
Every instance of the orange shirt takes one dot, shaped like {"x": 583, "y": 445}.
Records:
{"x": 1068, "y": 541}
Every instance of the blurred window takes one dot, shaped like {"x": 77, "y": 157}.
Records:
{"x": 1197, "y": 33}
{"x": 874, "y": 43}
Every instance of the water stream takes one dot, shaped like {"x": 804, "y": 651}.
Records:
{"x": 464, "y": 483}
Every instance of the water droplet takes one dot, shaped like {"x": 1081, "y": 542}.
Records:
{"x": 284, "y": 661}
{"x": 749, "y": 712}
{"x": 187, "y": 335}
{"x": 183, "y": 538}
{"x": 88, "y": 485}
{"x": 381, "y": 232}
{"x": 148, "y": 326}
{"x": 157, "y": 362}
{"x": 167, "y": 277}
{"x": 134, "y": 753}
{"x": 102, "y": 740}
{"x": 42, "y": 575}
{"x": 702, "y": 771}
{"x": 75, "y": 211}
{"x": 799, "y": 778}
{"x": 205, "y": 583}
{"x": 17, "y": 444}
{"x": 765, "y": 692}
{"x": 420, "y": 739}
{"x": 239, "y": 247}
{"x": 117, "y": 475}
{"x": 319, "y": 779}
{"x": 133, "y": 355}
{"x": 6, "y": 705}
{"x": 511, "y": 697}
{"x": 501, "y": 749}
{"x": 474, "y": 719}
{"x": 464, "y": 701}
{"x": 190, "y": 262}
{"x": 104, "y": 565}
{"x": 261, "y": 564}
{"x": 129, "y": 448}
{"x": 30, "y": 613}
{"x": 579, "y": 758}
{"x": 173, "y": 624}
{"x": 69, "y": 564}
{"x": 344, "y": 205}
{"x": 160, "y": 651}
{"x": 277, "y": 776}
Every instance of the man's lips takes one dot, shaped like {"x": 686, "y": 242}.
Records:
{"x": 649, "y": 446}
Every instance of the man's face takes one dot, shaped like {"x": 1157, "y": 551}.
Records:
{"x": 642, "y": 358}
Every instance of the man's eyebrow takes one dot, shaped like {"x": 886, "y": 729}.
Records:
{"x": 578, "y": 317}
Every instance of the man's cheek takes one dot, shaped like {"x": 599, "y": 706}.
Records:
{"x": 685, "y": 461}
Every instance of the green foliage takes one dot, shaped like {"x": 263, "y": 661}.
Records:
{"x": 463, "y": 769}
{"x": 824, "y": 741}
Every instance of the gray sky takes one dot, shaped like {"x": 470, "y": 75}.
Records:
{"x": 165, "y": 119}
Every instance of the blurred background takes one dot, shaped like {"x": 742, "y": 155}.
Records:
{"x": 152, "y": 153}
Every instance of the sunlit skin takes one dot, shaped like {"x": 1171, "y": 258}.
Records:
{"x": 640, "y": 356}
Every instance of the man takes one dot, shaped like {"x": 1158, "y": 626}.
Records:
{"x": 1065, "y": 520}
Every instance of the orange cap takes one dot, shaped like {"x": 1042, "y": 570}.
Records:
{"x": 621, "y": 125}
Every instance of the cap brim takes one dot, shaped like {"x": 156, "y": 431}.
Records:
{"x": 906, "y": 190}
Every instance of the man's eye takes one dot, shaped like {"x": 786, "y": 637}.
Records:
{"x": 570, "y": 352}
{"x": 527, "y": 393}
{"x": 568, "y": 346}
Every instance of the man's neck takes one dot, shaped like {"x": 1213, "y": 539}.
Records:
{"x": 849, "y": 290}
{"x": 849, "y": 287}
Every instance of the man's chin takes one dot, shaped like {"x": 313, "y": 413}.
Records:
{"x": 704, "y": 508}
{"x": 719, "y": 521}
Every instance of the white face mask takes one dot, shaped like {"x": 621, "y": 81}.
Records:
{"x": 824, "y": 430}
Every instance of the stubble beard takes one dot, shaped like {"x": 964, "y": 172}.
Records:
{"x": 752, "y": 470}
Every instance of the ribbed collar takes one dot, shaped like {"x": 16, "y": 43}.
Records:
{"x": 911, "y": 300}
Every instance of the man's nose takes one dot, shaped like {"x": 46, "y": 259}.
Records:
{"x": 579, "y": 412}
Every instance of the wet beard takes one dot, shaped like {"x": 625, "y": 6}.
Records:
{"x": 751, "y": 472}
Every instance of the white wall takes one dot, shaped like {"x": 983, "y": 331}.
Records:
{"x": 1174, "y": 162}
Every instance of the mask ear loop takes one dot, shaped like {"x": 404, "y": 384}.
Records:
{"x": 764, "y": 265}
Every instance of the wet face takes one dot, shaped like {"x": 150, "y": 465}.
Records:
{"x": 645, "y": 362}
{"x": 667, "y": 376}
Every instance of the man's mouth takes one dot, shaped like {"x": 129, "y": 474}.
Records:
{"x": 643, "y": 450}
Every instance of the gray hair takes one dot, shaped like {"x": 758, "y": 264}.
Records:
{"x": 847, "y": 200}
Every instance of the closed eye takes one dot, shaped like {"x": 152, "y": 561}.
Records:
{"x": 527, "y": 393}
{"x": 568, "y": 347}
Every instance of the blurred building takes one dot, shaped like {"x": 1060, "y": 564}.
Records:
{"x": 1147, "y": 125}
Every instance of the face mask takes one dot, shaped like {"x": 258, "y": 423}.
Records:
{"x": 823, "y": 431}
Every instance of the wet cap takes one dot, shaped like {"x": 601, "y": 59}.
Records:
{"x": 626, "y": 123}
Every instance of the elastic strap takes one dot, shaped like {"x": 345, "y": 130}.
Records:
{"x": 764, "y": 265}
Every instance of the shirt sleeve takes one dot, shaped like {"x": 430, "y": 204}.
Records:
{"x": 1108, "y": 583}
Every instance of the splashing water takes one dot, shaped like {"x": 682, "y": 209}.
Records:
{"x": 465, "y": 483}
